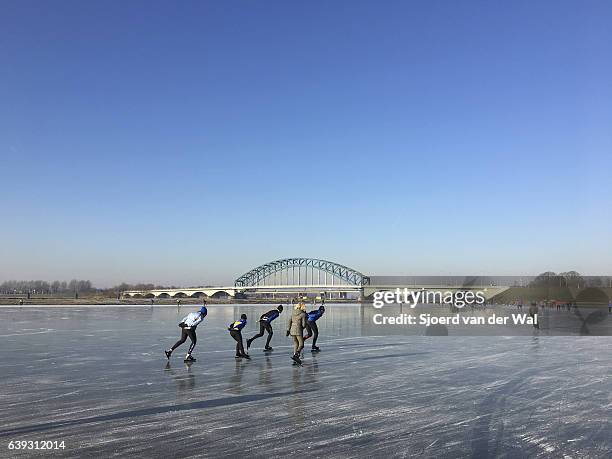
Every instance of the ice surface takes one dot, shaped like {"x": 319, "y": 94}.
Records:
{"x": 96, "y": 377}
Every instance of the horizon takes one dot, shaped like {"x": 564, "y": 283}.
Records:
{"x": 401, "y": 138}
{"x": 380, "y": 278}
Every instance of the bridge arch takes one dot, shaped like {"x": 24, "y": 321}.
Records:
{"x": 260, "y": 274}
{"x": 198, "y": 295}
{"x": 220, "y": 294}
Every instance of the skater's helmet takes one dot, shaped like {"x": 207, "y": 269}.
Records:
{"x": 280, "y": 308}
{"x": 322, "y": 308}
{"x": 203, "y": 310}
{"x": 243, "y": 316}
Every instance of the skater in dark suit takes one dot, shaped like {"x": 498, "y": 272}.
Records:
{"x": 265, "y": 325}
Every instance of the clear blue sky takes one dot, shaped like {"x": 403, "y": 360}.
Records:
{"x": 187, "y": 142}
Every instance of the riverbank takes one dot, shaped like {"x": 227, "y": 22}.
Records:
{"x": 105, "y": 301}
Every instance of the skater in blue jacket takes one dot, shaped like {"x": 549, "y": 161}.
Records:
{"x": 235, "y": 329}
{"x": 311, "y": 326}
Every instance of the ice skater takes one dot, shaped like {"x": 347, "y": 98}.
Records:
{"x": 188, "y": 326}
{"x": 295, "y": 328}
{"x": 311, "y": 326}
{"x": 533, "y": 313}
{"x": 265, "y": 324}
{"x": 235, "y": 329}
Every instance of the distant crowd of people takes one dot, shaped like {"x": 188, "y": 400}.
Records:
{"x": 558, "y": 305}
{"x": 299, "y": 321}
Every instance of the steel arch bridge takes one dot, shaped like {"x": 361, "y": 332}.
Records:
{"x": 272, "y": 272}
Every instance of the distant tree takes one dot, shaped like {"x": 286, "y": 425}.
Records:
{"x": 573, "y": 279}
{"x": 551, "y": 279}
{"x": 547, "y": 279}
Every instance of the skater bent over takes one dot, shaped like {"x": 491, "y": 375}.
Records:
{"x": 295, "y": 328}
{"x": 235, "y": 330}
{"x": 265, "y": 324}
{"x": 311, "y": 326}
{"x": 188, "y": 326}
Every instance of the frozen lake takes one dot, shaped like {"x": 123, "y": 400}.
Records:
{"x": 97, "y": 378}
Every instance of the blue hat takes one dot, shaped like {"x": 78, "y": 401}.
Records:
{"x": 203, "y": 310}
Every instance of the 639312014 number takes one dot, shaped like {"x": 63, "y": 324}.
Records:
{"x": 36, "y": 444}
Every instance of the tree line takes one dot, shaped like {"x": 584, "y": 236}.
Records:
{"x": 568, "y": 279}
{"x": 67, "y": 287}
{"x": 49, "y": 287}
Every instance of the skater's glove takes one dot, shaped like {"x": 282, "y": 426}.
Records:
{"x": 287, "y": 332}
